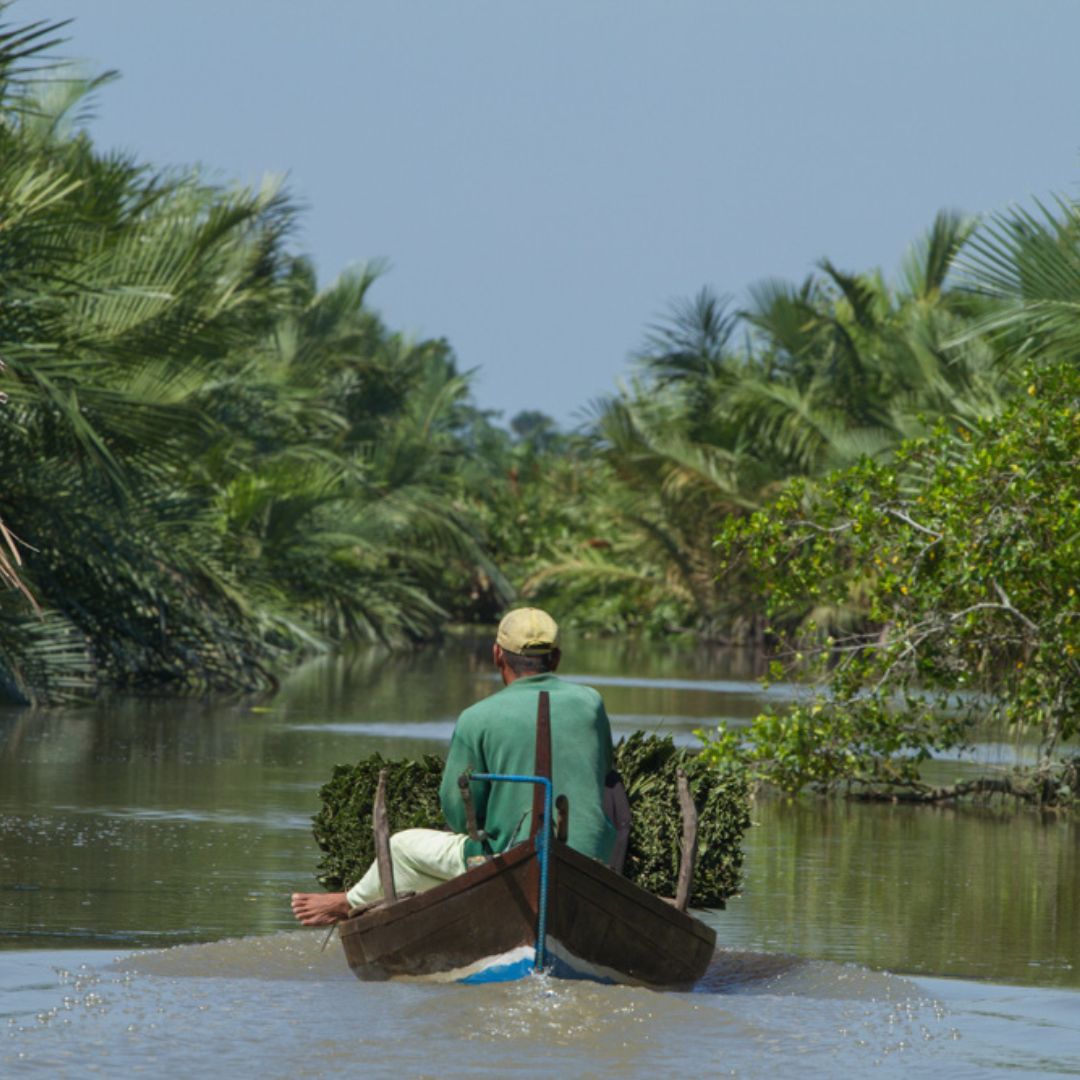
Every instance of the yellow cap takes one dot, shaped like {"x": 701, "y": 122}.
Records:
{"x": 528, "y": 631}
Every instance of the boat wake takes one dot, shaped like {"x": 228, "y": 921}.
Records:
{"x": 298, "y": 955}
{"x": 738, "y": 972}
{"x": 278, "y": 1005}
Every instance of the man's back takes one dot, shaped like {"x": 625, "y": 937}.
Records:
{"x": 498, "y": 735}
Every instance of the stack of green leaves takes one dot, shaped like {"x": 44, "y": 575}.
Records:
{"x": 647, "y": 764}
{"x": 342, "y": 827}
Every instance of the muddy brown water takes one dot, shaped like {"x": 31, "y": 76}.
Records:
{"x": 147, "y": 851}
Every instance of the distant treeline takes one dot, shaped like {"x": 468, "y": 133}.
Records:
{"x": 213, "y": 466}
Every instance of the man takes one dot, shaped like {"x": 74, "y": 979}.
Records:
{"x": 498, "y": 735}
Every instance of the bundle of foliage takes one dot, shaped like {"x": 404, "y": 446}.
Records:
{"x": 648, "y": 765}
{"x": 963, "y": 554}
{"x": 342, "y": 828}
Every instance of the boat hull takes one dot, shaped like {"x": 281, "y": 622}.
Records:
{"x": 599, "y": 926}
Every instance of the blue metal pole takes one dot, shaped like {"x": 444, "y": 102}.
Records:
{"x": 543, "y": 846}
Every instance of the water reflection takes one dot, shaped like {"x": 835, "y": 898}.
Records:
{"x": 966, "y": 892}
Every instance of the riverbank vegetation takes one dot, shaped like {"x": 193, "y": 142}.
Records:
{"x": 211, "y": 464}
{"x": 215, "y": 465}
{"x": 931, "y": 592}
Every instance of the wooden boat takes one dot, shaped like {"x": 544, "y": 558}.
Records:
{"x": 483, "y": 926}
{"x": 538, "y": 905}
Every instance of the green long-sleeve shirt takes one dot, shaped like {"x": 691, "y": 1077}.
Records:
{"x": 498, "y": 735}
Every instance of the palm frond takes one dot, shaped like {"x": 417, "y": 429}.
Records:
{"x": 930, "y": 260}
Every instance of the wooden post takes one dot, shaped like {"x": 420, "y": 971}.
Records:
{"x": 689, "y": 843}
{"x": 617, "y": 808}
{"x": 542, "y": 765}
{"x": 381, "y": 825}
{"x": 470, "y": 810}
{"x": 562, "y": 818}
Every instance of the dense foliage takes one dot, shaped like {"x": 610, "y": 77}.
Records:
{"x": 209, "y": 463}
{"x": 961, "y": 553}
{"x": 342, "y": 827}
{"x": 840, "y": 367}
{"x": 647, "y": 764}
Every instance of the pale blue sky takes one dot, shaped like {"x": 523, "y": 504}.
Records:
{"x": 545, "y": 178}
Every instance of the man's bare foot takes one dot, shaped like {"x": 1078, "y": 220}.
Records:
{"x": 319, "y": 909}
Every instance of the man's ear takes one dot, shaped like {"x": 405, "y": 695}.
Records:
{"x": 497, "y": 655}
{"x": 556, "y": 656}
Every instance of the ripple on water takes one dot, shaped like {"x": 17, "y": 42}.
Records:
{"x": 295, "y": 955}
{"x": 279, "y": 1006}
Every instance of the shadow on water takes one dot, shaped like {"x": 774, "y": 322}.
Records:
{"x": 742, "y": 972}
{"x": 735, "y": 971}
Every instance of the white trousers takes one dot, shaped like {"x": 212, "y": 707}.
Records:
{"x": 422, "y": 858}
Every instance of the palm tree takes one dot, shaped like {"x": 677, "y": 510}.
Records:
{"x": 208, "y": 459}
{"x": 1025, "y": 265}
{"x": 838, "y": 367}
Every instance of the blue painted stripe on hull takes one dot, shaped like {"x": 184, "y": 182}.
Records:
{"x": 511, "y": 972}
{"x": 522, "y": 967}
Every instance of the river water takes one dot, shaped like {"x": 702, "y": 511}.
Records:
{"x": 147, "y": 851}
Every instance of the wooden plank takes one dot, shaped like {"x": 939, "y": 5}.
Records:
{"x": 542, "y": 760}
{"x": 617, "y": 809}
{"x": 626, "y": 891}
{"x": 634, "y": 932}
{"x": 688, "y": 859}
{"x": 381, "y": 824}
{"x": 494, "y": 912}
{"x": 658, "y": 954}
{"x": 470, "y": 810}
